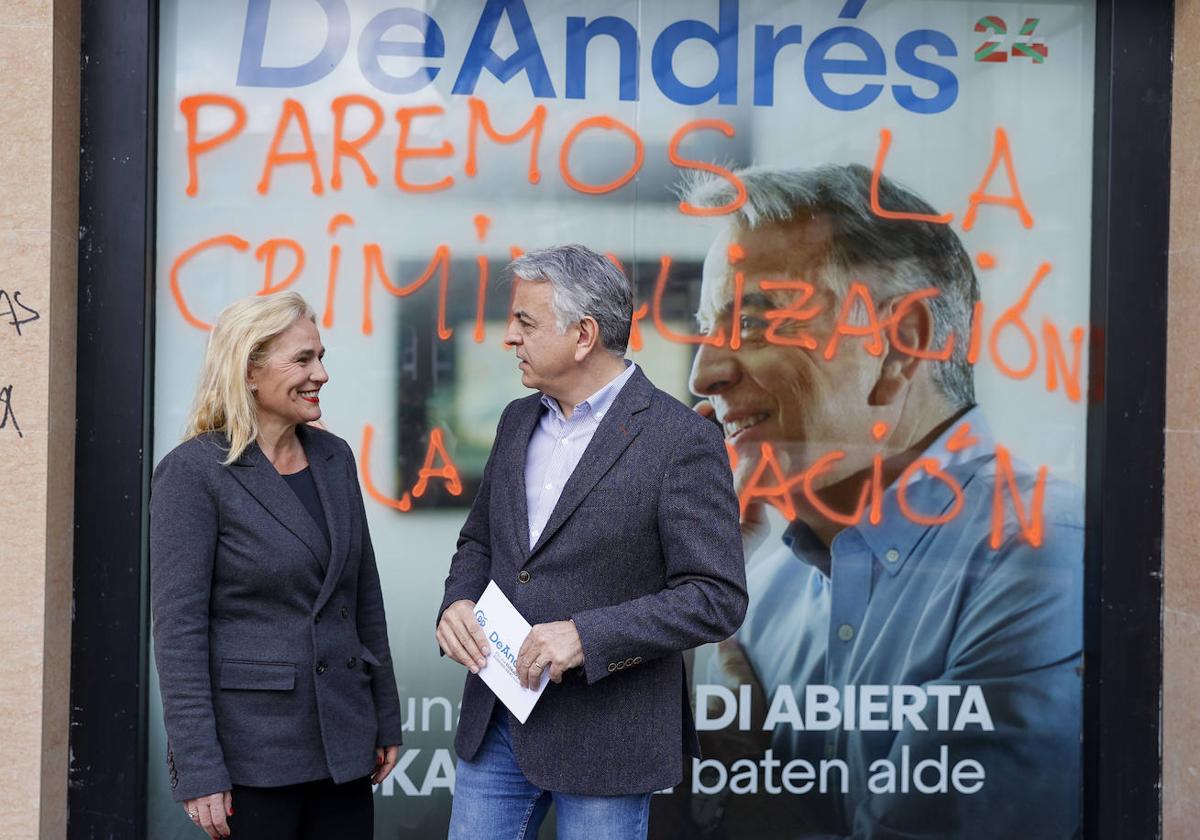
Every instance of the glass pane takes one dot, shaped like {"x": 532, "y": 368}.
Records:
{"x": 888, "y": 314}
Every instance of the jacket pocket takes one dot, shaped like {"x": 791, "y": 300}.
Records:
{"x": 244, "y": 674}
{"x": 368, "y": 657}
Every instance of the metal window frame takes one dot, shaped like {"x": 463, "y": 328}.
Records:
{"x": 1123, "y": 599}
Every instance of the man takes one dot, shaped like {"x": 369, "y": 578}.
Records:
{"x": 887, "y": 576}
{"x": 607, "y": 516}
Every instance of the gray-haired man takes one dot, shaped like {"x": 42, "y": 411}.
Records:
{"x": 607, "y": 516}
{"x": 914, "y": 593}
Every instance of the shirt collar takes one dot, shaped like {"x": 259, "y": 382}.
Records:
{"x": 599, "y": 402}
{"x": 959, "y": 452}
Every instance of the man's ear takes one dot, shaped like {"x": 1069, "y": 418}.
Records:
{"x": 908, "y": 334}
{"x": 589, "y": 337}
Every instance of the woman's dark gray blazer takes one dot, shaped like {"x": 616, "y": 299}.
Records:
{"x": 272, "y": 648}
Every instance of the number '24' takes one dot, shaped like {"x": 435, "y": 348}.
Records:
{"x": 1027, "y": 47}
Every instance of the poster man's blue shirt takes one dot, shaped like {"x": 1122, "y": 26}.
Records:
{"x": 904, "y": 603}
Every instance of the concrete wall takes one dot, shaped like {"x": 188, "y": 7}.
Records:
{"x": 39, "y": 175}
{"x": 1181, "y": 689}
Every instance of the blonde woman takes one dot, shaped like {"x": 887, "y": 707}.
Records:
{"x": 278, "y": 695}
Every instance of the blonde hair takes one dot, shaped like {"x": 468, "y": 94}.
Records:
{"x": 241, "y": 338}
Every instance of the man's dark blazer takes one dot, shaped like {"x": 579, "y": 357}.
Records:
{"x": 272, "y": 648}
{"x": 643, "y": 552}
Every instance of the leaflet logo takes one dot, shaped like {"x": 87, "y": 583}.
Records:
{"x": 481, "y": 618}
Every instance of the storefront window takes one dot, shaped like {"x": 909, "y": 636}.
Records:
{"x": 857, "y": 230}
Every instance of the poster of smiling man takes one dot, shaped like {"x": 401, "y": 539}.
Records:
{"x": 860, "y": 237}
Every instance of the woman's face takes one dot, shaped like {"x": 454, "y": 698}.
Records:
{"x": 288, "y": 383}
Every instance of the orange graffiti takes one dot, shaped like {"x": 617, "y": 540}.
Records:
{"x": 227, "y": 240}
{"x": 1032, "y": 527}
{"x": 607, "y": 124}
{"x": 660, "y": 285}
{"x": 684, "y": 163}
{"x": 190, "y": 107}
{"x": 353, "y": 148}
{"x": 335, "y": 258}
{"x": 776, "y": 494}
{"x": 857, "y": 301}
{"x": 292, "y": 110}
{"x": 1056, "y": 358}
{"x": 447, "y": 471}
{"x": 885, "y": 143}
{"x": 479, "y": 118}
{"x": 932, "y": 469}
{"x": 1000, "y": 153}
{"x": 373, "y": 267}
{"x": 404, "y": 503}
{"x": 1013, "y": 317}
{"x": 893, "y": 325}
{"x": 777, "y": 318}
{"x": 405, "y": 152}
{"x": 267, "y": 253}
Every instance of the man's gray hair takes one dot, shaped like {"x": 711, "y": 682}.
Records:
{"x": 586, "y": 284}
{"x": 899, "y": 256}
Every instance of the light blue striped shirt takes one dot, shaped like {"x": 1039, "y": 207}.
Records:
{"x": 556, "y": 446}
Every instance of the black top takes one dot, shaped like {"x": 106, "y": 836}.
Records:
{"x": 305, "y": 488}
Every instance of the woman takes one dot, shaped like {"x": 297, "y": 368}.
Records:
{"x": 269, "y": 631}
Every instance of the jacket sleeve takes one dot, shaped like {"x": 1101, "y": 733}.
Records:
{"x": 704, "y": 599}
{"x": 372, "y": 631}
{"x": 471, "y": 566}
{"x": 183, "y": 542}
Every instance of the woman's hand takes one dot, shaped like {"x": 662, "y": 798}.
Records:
{"x": 385, "y": 762}
{"x": 209, "y": 812}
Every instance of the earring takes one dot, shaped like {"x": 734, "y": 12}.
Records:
{"x": 253, "y": 387}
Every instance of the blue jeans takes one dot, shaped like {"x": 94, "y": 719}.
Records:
{"x": 494, "y": 801}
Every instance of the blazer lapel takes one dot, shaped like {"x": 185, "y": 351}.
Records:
{"x": 613, "y": 436}
{"x": 258, "y": 475}
{"x": 512, "y": 466}
{"x": 330, "y": 474}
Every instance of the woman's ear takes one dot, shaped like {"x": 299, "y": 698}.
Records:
{"x": 908, "y": 333}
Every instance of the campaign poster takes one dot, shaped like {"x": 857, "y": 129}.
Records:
{"x": 860, "y": 235}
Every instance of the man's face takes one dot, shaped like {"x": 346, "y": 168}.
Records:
{"x": 546, "y": 357}
{"x": 765, "y": 391}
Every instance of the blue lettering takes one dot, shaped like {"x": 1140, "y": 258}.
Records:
{"x": 907, "y": 60}
{"x": 528, "y": 56}
{"x": 817, "y": 64}
{"x": 251, "y": 72}
{"x": 372, "y": 45}
{"x": 723, "y": 40}
{"x": 494, "y": 637}
{"x": 766, "y": 47}
{"x": 580, "y": 33}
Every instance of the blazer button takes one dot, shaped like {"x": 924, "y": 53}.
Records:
{"x": 523, "y": 576}
{"x": 612, "y": 666}
{"x": 351, "y": 662}
{"x": 322, "y": 668}
{"x": 174, "y": 783}
{"x": 637, "y": 660}
{"x": 345, "y": 613}
{"x": 628, "y": 662}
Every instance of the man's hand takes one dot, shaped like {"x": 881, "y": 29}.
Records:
{"x": 461, "y": 637}
{"x": 556, "y": 646}
{"x": 210, "y": 813}
{"x": 385, "y": 762}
